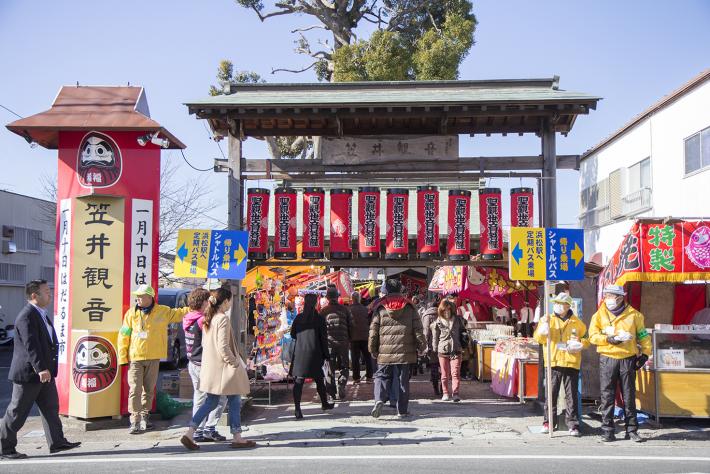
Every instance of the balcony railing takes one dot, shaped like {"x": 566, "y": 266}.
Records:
{"x": 596, "y": 217}
{"x": 637, "y": 202}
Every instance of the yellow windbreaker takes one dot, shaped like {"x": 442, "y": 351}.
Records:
{"x": 561, "y": 332}
{"x": 630, "y": 321}
{"x": 145, "y": 336}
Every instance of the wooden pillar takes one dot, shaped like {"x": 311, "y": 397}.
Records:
{"x": 549, "y": 175}
{"x": 235, "y": 212}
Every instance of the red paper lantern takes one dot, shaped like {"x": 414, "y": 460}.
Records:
{"x": 258, "y": 222}
{"x": 341, "y": 223}
{"x": 428, "y": 222}
{"x": 459, "y": 240}
{"x": 397, "y": 236}
{"x": 490, "y": 207}
{"x": 368, "y": 222}
{"x": 521, "y": 207}
{"x": 313, "y": 223}
{"x": 285, "y": 240}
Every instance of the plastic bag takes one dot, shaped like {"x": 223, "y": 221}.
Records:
{"x": 574, "y": 346}
{"x": 168, "y": 407}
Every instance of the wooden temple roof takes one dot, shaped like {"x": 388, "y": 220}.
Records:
{"x": 408, "y": 107}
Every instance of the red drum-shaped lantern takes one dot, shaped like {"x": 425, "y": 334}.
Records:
{"x": 368, "y": 222}
{"x": 521, "y": 207}
{"x": 341, "y": 223}
{"x": 490, "y": 207}
{"x": 428, "y": 221}
{"x": 397, "y": 236}
{"x": 459, "y": 240}
{"x": 313, "y": 222}
{"x": 258, "y": 222}
{"x": 285, "y": 236}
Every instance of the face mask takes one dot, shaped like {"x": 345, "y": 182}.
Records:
{"x": 558, "y": 308}
{"x": 611, "y": 303}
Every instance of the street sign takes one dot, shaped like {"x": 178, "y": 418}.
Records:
{"x": 228, "y": 254}
{"x": 203, "y": 253}
{"x": 527, "y": 253}
{"x": 542, "y": 254}
{"x": 565, "y": 254}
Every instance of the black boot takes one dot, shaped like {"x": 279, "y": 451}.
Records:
{"x": 437, "y": 392}
{"x": 327, "y": 406}
{"x": 299, "y": 414}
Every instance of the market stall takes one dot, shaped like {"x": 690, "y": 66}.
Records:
{"x": 514, "y": 368}
{"x": 665, "y": 267}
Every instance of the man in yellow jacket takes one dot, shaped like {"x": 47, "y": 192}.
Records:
{"x": 142, "y": 342}
{"x": 618, "y": 330}
{"x": 568, "y": 336}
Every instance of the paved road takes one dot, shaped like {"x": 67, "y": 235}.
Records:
{"x": 515, "y": 458}
{"x": 483, "y": 432}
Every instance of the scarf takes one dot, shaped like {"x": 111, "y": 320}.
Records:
{"x": 148, "y": 309}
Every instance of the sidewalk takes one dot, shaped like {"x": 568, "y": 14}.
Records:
{"x": 481, "y": 419}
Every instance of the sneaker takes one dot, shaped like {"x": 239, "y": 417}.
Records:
{"x": 456, "y": 397}
{"x": 135, "y": 429}
{"x": 635, "y": 437}
{"x": 575, "y": 432}
{"x": 199, "y": 438}
{"x": 445, "y": 397}
{"x": 377, "y": 409}
{"x": 324, "y": 407}
{"x": 608, "y": 437}
{"x": 404, "y": 415}
{"x": 146, "y": 425}
{"x": 213, "y": 436}
{"x": 545, "y": 428}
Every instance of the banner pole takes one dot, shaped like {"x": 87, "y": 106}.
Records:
{"x": 548, "y": 366}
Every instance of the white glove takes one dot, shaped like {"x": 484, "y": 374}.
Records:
{"x": 544, "y": 329}
{"x": 624, "y": 336}
{"x": 574, "y": 346}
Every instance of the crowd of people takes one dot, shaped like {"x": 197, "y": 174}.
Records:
{"x": 392, "y": 338}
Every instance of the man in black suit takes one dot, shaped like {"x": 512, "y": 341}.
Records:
{"x": 32, "y": 372}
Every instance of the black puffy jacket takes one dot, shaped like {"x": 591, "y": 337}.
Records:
{"x": 339, "y": 323}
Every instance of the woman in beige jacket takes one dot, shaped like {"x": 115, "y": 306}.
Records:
{"x": 223, "y": 371}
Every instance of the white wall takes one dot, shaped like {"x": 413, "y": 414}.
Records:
{"x": 660, "y": 137}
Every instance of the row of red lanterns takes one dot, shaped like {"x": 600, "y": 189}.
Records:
{"x": 397, "y": 232}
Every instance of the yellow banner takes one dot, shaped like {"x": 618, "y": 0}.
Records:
{"x": 192, "y": 253}
{"x": 95, "y": 385}
{"x": 527, "y": 253}
{"x": 97, "y": 265}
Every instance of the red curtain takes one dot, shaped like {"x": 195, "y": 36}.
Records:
{"x": 689, "y": 299}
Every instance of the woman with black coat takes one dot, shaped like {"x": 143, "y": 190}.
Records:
{"x": 310, "y": 343}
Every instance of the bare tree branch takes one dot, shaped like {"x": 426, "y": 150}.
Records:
{"x": 295, "y": 71}
{"x": 309, "y": 28}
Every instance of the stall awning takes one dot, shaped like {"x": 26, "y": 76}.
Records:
{"x": 661, "y": 250}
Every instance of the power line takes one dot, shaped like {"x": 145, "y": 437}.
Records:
{"x": 11, "y": 111}
{"x": 194, "y": 210}
{"x": 209, "y": 134}
{"x": 190, "y": 164}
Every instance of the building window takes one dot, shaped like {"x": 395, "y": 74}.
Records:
{"x": 47, "y": 274}
{"x": 13, "y": 273}
{"x": 640, "y": 176}
{"x": 28, "y": 240}
{"x": 697, "y": 151}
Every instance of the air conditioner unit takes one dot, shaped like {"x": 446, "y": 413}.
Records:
{"x": 8, "y": 246}
{"x": 8, "y": 232}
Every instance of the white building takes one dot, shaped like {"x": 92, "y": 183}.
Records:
{"x": 27, "y": 239}
{"x": 657, "y": 165}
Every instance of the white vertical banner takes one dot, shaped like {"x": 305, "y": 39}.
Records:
{"x": 61, "y": 317}
{"x": 141, "y": 242}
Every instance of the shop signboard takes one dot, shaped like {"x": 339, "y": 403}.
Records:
{"x": 383, "y": 149}
{"x": 655, "y": 251}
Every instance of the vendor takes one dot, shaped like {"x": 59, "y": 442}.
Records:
{"x": 568, "y": 336}
{"x": 617, "y": 329}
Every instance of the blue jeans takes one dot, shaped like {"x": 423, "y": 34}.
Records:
{"x": 396, "y": 375}
{"x": 234, "y": 402}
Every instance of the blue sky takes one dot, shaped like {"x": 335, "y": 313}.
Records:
{"x": 631, "y": 53}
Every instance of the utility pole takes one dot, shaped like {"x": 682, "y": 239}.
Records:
{"x": 235, "y": 212}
